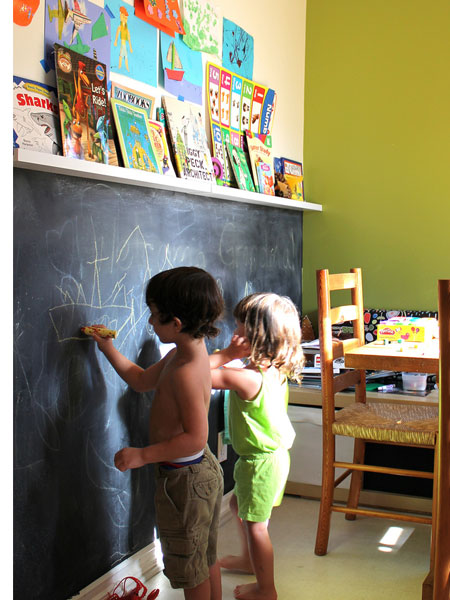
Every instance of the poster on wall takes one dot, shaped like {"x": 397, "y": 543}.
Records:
{"x": 203, "y": 26}
{"x": 236, "y": 105}
{"x": 237, "y": 55}
{"x": 162, "y": 14}
{"x": 80, "y": 26}
{"x": 183, "y": 69}
{"x": 133, "y": 44}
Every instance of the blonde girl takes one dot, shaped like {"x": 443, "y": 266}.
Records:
{"x": 268, "y": 336}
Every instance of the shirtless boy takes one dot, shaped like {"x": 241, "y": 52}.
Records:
{"x": 184, "y": 303}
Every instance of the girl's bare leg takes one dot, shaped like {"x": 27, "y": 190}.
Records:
{"x": 261, "y": 556}
{"x": 241, "y": 562}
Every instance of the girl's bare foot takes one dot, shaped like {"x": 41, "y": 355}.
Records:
{"x": 251, "y": 591}
{"x": 236, "y": 563}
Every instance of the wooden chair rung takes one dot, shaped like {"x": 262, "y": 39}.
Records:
{"x": 368, "y": 512}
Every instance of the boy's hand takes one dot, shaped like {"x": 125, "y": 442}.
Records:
{"x": 129, "y": 458}
{"x": 102, "y": 343}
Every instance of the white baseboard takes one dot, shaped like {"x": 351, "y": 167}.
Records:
{"x": 143, "y": 565}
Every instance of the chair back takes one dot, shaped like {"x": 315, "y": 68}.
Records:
{"x": 442, "y": 546}
{"x": 330, "y": 348}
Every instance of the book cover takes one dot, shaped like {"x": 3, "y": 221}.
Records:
{"x": 188, "y": 139}
{"x": 261, "y": 162}
{"x": 161, "y": 147}
{"x": 135, "y": 138}
{"x": 293, "y": 175}
{"x": 240, "y": 167}
{"x": 282, "y": 189}
{"x": 84, "y": 107}
{"x": 133, "y": 97}
{"x": 35, "y": 116}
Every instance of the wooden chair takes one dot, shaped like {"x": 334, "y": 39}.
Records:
{"x": 396, "y": 424}
{"x": 437, "y": 585}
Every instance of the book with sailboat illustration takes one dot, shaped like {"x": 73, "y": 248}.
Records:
{"x": 188, "y": 139}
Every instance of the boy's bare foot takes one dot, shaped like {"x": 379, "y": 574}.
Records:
{"x": 251, "y": 591}
{"x": 236, "y": 563}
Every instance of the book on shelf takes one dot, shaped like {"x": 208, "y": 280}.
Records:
{"x": 238, "y": 161}
{"x": 188, "y": 139}
{"x": 135, "y": 138}
{"x": 84, "y": 107}
{"x": 288, "y": 179}
{"x": 161, "y": 147}
{"x": 133, "y": 97}
{"x": 260, "y": 153}
{"x": 35, "y": 116}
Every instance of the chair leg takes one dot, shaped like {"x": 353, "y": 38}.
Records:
{"x": 356, "y": 478}
{"x": 328, "y": 476}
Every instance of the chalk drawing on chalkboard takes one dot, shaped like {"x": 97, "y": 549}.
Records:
{"x": 117, "y": 308}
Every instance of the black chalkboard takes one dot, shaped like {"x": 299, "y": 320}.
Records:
{"x": 83, "y": 252}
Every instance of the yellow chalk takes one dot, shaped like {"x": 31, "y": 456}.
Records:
{"x": 100, "y": 330}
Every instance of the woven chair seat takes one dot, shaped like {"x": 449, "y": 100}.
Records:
{"x": 396, "y": 423}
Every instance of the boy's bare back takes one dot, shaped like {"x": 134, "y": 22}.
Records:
{"x": 182, "y": 396}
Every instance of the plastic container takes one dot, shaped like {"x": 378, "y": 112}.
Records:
{"x": 414, "y": 381}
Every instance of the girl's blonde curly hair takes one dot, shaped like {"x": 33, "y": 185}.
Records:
{"x": 272, "y": 326}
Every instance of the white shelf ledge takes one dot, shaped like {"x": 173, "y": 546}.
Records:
{"x": 50, "y": 163}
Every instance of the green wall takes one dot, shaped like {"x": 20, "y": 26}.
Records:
{"x": 377, "y": 147}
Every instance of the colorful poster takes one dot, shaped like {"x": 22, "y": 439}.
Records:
{"x": 80, "y": 26}
{"x": 133, "y": 44}
{"x": 235, "y": 106}
{"x": 162, "y": 14}
{"x": 237, "y": 53}
{"x": 183, "y": 69}
{"x": 203, "y": 26}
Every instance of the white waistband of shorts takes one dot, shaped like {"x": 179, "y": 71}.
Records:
{"x": 188, "y": 458}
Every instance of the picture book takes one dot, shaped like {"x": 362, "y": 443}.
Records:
{"x": 133, "y": 97}
{"x": 261, "y": 162}
{"x": 282, "y": 189}
{"x": 161, "y": 147}
{"x": 188, "y": 139}
{"x": 135, "y": 138}
{"x": 236, "y": 105}
{"x": 293, "y": 175}
{"x": 35, "y": 116}
{"x": 84, "y": 108}
{"x": 240, "y": 168}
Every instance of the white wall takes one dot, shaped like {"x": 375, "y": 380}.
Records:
{"x": 278, "y": 29}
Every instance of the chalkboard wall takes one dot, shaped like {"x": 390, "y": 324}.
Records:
{"x": 83, "y": 252}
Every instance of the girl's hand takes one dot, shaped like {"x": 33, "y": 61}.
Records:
{"x": 239, "y": 347}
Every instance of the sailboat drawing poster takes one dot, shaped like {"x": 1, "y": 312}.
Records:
{"x": 183, "y": 70}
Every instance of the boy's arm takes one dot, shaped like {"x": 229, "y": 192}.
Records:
{"x": 194, "y": 422}
{"x": 139, "y": 379}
